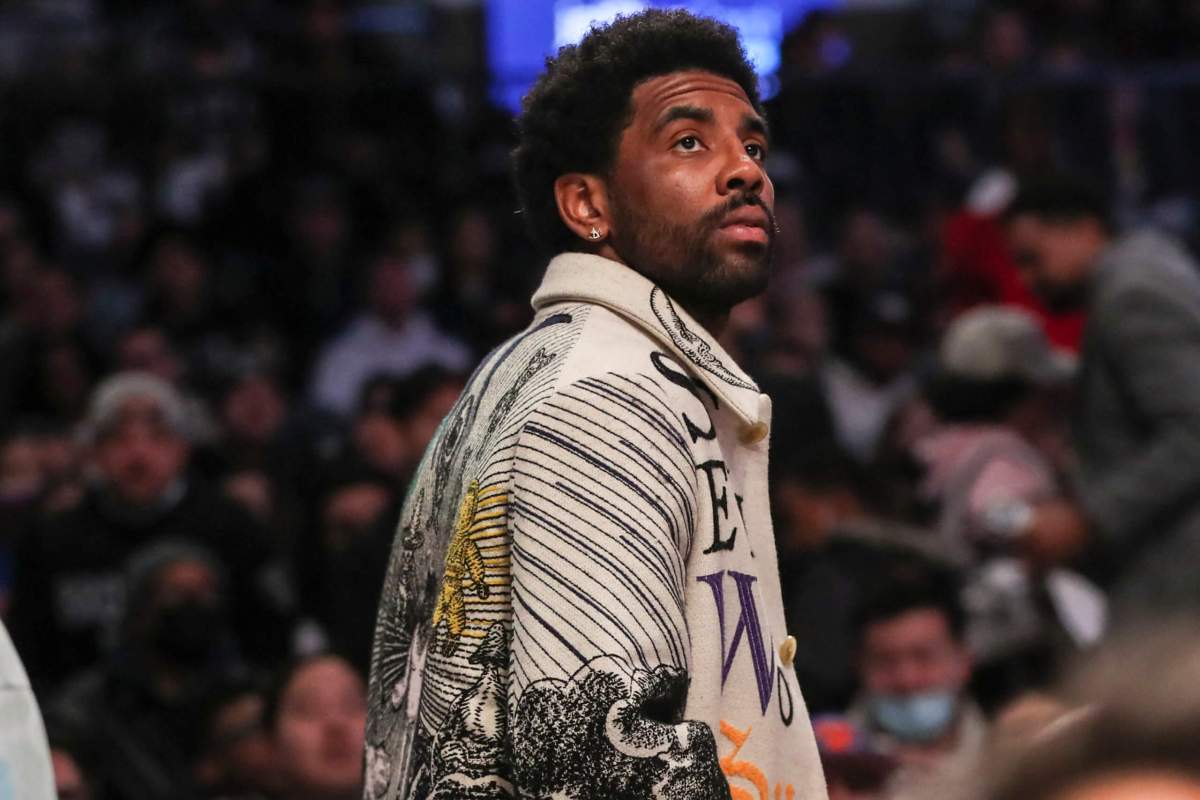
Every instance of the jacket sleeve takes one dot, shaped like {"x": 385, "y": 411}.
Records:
{"x": 602, "y": 520}
{"x": 1151, "y": 340}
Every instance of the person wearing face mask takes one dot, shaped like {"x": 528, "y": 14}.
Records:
{"x": 71, "y": 584}
{"x": 140, "y": 712}
{"x": 914, "y": 668}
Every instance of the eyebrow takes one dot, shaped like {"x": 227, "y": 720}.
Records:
{"x": 756, "y": 124}
{"x": 750, "y": 122}
{"x": 694, "y": 113}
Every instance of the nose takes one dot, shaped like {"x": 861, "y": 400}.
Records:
{"x": 910, "y": 677}
{"x": 740, "y": 172}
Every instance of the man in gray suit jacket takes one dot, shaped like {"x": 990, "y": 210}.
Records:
{"x": 1137, "y": 423}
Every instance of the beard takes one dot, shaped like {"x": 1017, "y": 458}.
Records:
{"x": 684, "y": 260}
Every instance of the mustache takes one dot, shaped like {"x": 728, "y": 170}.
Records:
{"x": 714, "y": 216}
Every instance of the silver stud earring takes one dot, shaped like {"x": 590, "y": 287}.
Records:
{"x": 595, "y": 234}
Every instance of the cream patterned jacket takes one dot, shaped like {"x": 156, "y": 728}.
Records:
{"x": 583, "y": 597}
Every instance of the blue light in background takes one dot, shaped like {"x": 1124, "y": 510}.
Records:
{"x": 522, "y": 33}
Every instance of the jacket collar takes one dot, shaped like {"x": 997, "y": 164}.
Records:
{"x": 581, "y": 277}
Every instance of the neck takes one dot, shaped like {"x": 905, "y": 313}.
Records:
{"x": 713, "y": 320}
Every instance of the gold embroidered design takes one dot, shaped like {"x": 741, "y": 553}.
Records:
{"x": 467, "y": 564}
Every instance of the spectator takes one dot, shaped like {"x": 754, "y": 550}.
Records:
{"x": 317, "y": 717}
{"x": 871, "y": 377}
{"x": 71, "y": 586}
{"x": 992, "y": 458}
{"x": 1138, "y": 420}
{"x": 477, "y": 299}
{"x": 832, "y": 547}
{"x": 138, "y": 712}
{"x": 236, "y": 760}
{"x": 392, "y": 336}
{"x": 357, "y": 539}
{"x": 914, "y": 666}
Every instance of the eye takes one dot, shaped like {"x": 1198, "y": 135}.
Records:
{"x": 688, "y": 143}
{"x": 756, "y": 151}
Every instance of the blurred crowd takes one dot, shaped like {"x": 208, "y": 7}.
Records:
{"x": 249, "y": 251}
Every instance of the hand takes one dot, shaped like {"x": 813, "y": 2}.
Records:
{"x": 1057, "y": 534}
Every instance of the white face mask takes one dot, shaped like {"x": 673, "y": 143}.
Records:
{"x": 920, "y": 717}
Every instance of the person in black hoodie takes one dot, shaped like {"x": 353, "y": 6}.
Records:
{"x": 70, "y": 585}
{"x": 140, "y": 711}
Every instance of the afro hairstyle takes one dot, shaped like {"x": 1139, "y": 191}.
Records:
{"x": 572, "y": 118}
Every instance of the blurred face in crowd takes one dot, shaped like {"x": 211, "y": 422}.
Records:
{"x": 380, "y": 440}
{"x": 474, "y": 242}
{"x": 184, "y": 620}
{"x": 139, "y": 456}
{"x": 351, "y": 511}
{"x": 254, "y": 410}
{"x": 59, "y": 306}
{"x": 866, "y": 248}
{"x": 254, "y": 491}
{"x": 393, "y": 291}
{"x": 149, "y": 350}
{"x": 422, "y": 423}
{"x": 1135, "y": 785}
{"x": 180, "y": 275}
{"x": 913, "y": 670}
{"x": 1055, "y": 257}
{"x": 913, "y": 652}
{"x": 21, "y": 475}
{"x": 319, "y": 731}
{"x": 240, "y": 758}
{"x": 690, "y": 200}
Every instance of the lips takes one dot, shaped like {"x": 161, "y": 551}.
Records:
{"x": 747, "y": 217}
{"x": 746, "y": 225}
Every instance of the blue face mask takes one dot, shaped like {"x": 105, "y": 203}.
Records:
{"x": 918, "y": 717}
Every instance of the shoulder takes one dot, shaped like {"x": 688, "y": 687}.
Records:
{"x": 1148, "y": 268}
{"x": 613, "y": 349}
{"x": 58, "y": 534}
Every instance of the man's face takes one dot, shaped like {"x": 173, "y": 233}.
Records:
{"x": 140, "y": 456}
{"x": 911, "y": 654}
{"x": 692, "y": 206}
{"x": 1054, "y": 257}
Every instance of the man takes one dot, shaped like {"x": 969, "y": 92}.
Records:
{"x": 71, "y": 576}
{"x": 392, "y": 336}
{"x": 992, "y": 458}
{"x": 139, "y": 711}
{"x": 1138, "y": 423}
{"x": 914, "y": 667}
{"x": 315, "y": 717}
{"x": 583, "y": 599}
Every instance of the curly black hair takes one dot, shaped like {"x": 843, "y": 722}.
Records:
{"x": 572, "y": 118}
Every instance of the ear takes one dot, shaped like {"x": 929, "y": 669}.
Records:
{"x": 583, "y": 205}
